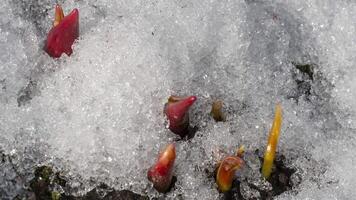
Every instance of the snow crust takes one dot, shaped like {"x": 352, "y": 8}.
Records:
{"x": 98, "y": 115}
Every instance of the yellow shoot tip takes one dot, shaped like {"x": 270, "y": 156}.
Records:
{"x": 273, "y": 138}
{"x": 168, "y": 155}
{"x": 240, "y": 151}
{"x": 59, "y": 15}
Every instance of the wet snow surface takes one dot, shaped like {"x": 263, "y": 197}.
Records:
{"x": 97, "y": 116}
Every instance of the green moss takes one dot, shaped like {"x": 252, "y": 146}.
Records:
{"x": 41, "y": 183}
{"x": 56, "y": 196}
{"x": 59, "y": 179}
{"x": 44, "y": 173}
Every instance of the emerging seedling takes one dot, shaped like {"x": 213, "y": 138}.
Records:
{"x": 177, "y": 112}
{"x": 270, "y": 152}
{"x": 226, "y": 172}
{"x": 216, "y": 111}
{"x": 240, "y": 151}
{"x": 64, "y": 32}
{"x": 161, "y": 173}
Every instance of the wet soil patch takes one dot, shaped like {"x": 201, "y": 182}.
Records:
{"x": 304, "y": 80}
{"x": 46, "y": 182}
{"x": 280, "y": 178}
{"x": 244, "y": 188}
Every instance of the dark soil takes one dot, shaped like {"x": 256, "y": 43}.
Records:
{"x": 42, "y": 188}
{"x": 304, "y": 82}
{"x": 45, "y": 180}
{"x": 279, "y": 179}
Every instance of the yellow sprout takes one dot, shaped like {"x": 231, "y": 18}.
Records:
{"x": 240, "y": 151}
{"x": 270, "y": 152}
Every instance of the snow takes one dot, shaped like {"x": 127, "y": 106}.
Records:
{"x": 98, "y": 115}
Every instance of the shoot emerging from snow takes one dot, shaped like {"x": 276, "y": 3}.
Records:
{"x": 270, "y": 152}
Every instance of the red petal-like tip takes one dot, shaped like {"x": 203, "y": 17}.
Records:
{"x": 161, "y": 173}
{"x": 62, "y": 36}
{"x": 177, "y": 113}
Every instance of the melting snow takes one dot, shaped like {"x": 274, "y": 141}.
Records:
{"x": 98, "y": 115}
